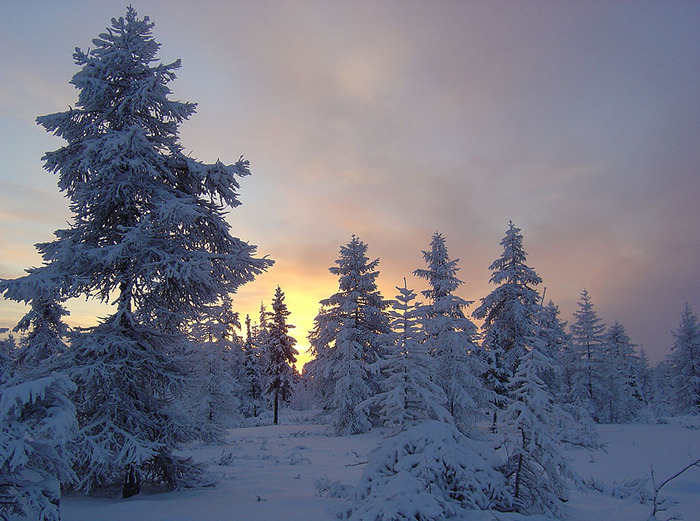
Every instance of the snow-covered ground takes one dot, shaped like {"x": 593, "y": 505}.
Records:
{"x": 270, "y": 474}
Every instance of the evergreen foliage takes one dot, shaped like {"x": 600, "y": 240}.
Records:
{"x": 45, "y": 333}
{"x": 622, "y": 377}
{"x": 451, "y": 337}
{"x": 148, "y": 234}
{"x": 409, "y": 394}
{"x": 427, "y": 472}
{"x": 36, "y": 421}
{"x": 537, "y": 473}
{"x": 684, "y": 364}
{"x": 510, "y": 311}
{"x": 130, "y": 382}
{"x": 7, "y": 356}
{"x": 350, "y": 334}
{"x": 216, "y": 357}
{"x": 586, "y": 360}
{"x": 280, "y": 355}
{"x": 251, "y": 379}
{"x": 553, "y": 339}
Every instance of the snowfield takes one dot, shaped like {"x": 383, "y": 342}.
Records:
{"x": 272, "y": 473}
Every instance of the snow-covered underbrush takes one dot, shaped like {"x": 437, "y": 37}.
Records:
{"x": 300, "y": 471}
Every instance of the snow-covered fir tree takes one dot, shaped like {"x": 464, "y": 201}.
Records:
{"x": 538, "y": 474}
{"x": 511, "y": 310}
{"x": 251, "y": 381}
{"x": 428, "y": 471}
{"x": 585, "y": 360}
{"x": 684, "y": 364}
{"x": 7, "y": 354}
{"x": 217, "y": 356}
{"x": 409, "y": 394}
{"x": 45, "y": 333}
{"x": 36, "y": 421}
{"x": 350, "y": 334}
{"x": 280, "y": 355}
{"x": 551, "y": 332}
{"x": 622, "y": 377}
{"x": 451, "y": 337}
{"x": 149, "y": 235}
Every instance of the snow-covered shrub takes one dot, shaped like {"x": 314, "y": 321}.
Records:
{"x": 36, "y": 420}
{"x": 325, "y": 487}
{"x": 427, "y": 472}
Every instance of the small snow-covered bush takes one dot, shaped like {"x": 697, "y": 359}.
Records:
{"x": 36, "y": 421}
{"x": 427, "y": 472}
{"x": 325, "y": 487}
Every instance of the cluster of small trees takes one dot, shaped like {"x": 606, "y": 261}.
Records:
{"x": 406, "y": 364}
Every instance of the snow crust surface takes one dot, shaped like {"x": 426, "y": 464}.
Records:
{"x": 270, "y": 473}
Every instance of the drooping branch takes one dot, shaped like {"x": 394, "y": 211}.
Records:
{"x": 658, "y": 506}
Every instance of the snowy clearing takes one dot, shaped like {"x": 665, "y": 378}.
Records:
{"x": 270, "y": 473}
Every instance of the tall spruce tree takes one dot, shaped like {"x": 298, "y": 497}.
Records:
{"x": 280, "y": 354}
{"x": 148, "y": 235}
{"x": 586, "y": 360}
{"x": 510, "y": 311}
{"x": 350, "y": 334}
{"x": 684, "y": 364}
{"x": 451, "y": 337}
{"x": 622, "y": 378}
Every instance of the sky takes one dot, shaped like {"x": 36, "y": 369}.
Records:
{"x": 391, "y": 120}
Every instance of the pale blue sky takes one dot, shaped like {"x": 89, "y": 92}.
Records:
{"x": 580, "y": 121}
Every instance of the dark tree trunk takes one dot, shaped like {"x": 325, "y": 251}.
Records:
{"x": 132, "y": 483}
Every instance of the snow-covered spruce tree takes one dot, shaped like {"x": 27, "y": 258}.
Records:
{"x": 537, "y": 473}
{"x": 586, "y": 360}
{"x": 428, "y": 471}
{"x": 280, "y": 355}
{"x": 551, "y": 332}
{"x": 148, "y": 234}
{"x": 350, "y": 333}
{"x": 214, "y": 402}
{"x": 7, "y": 352}
{"x": 511, "y": 310}
{"x": 36, "y": 421}
{"x": 510, "y": 313}
{"x": 684, "y": 364}
{"x": 451, "y": 337}
{"x": 44, "y": 330}
{"x": 409, "y": 394}
{"x": 251, "y": 380}
{"x": 622, "y": 377}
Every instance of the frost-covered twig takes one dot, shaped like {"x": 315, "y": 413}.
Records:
{"x": 659, "y": 505}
